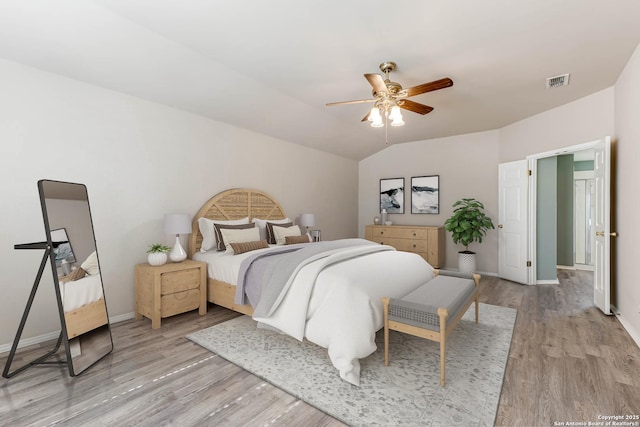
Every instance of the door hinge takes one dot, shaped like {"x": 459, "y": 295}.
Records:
{"x": 529, "y": 172}
{"x": 528, "y": 263}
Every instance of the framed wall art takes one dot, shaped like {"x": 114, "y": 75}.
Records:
{"x": 392, "y": 195}
{"x": 425, "y": 194}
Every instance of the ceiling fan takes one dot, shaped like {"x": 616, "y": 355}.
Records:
{"x": 389, "y": 97}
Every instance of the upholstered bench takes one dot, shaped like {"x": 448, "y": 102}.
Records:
{"x": 432, "y": 310}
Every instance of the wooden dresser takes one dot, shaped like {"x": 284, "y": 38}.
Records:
{"x": 423, "y": 240}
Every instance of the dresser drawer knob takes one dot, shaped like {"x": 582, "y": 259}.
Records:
{"x": 382, "y": 232}
{"x": 414, "y": 234}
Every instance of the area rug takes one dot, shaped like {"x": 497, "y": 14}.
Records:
{"x": 405, "y": 393}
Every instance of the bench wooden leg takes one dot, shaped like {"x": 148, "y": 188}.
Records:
{"x": 385, "y": 304}
{"x": 443, "y": 313}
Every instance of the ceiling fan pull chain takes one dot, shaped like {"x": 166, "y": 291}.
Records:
{"x": 386, "y": 130}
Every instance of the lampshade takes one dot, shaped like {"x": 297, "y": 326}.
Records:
{"x": 307, "y": 220}
{"x": 375, "y": 118}
{"x": 177, "y": 224}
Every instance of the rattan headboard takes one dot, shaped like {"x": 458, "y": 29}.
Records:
{"x": 234, "y": 204}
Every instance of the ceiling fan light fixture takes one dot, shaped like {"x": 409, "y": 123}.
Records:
{"x": 375, "y": 118}
{"x": 397, "y": 121}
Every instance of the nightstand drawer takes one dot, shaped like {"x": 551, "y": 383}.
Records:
{"x": 178, "y": 281}
{"x": 179, "y": 302}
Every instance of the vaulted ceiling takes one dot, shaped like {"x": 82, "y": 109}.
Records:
{"x": 271, "y": 66}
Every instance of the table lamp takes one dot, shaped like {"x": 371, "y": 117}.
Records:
{"x": 307, "y": 220}
{"x": 177, "y": 224}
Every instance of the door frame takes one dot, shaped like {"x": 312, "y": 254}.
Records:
{"x": 532, "y": 161}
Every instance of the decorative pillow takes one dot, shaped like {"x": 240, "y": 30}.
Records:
{"x": 291, "y": 240}
{"x": 220, "y": 243}
{"x": 239, "y": 236}
{"x": 271, "y": 237}
{"x": 262, "y": 225}
{"x": 90, "y": 265}
{"x": 208, "y": 234}
{"x": 76, "y": 274}
{"x": 281, "y": 233}
{"x": 240, "y": 248}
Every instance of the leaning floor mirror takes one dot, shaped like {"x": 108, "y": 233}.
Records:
{"x": 73, "y": 255}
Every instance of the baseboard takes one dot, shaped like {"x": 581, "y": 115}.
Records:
{"x": 482, "y": 273}
{"x": 635, "y": 335}
{"x": 548, "y": 282}
{"x": 5, "y": 348}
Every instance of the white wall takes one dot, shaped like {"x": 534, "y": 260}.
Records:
{"x": 584, "y": 120}
{"x": 139, "y": 161}
{"x": 468, "y": 167}
{"x": 627, "y": 120}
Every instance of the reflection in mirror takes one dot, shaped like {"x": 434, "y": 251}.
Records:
{"x": 76, "y": 271}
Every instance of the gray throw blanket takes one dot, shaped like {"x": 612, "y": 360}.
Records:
{"x": 266, "y": 273}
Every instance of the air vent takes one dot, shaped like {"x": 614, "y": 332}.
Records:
{"x": 557, "y": 81}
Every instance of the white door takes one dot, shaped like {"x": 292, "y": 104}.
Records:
{"x": 601, "y": 226}
{"x": 512, "y": 221}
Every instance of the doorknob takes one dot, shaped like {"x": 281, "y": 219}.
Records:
{"x": 613, "y": 234}
{"x": 500, "y": 226}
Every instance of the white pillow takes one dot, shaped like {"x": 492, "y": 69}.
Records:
{"x": 282, "y": 232}
{"x": 262, "y": 225}
{"x": 209, "y": 236}
{"x": 90, "y": 265}
{"x": 241, "y": 235}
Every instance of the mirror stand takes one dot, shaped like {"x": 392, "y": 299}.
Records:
{"x": 79, "y": 291}
{"x": 42, "y": 359}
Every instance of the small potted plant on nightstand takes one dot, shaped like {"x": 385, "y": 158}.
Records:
{"x": 468, "y": 224}
{"x": 157, "y": 254}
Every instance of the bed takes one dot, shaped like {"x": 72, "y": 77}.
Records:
{"x": 332, "y": 296}
{"x": 83, "y": 303}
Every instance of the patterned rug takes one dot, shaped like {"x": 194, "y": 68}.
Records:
{"x": 405, "y": 393}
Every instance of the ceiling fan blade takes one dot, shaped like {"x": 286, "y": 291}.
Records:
{"x": 414, "y": 106}
{"x": 365, "y": 118}
{"x": 376, "y": 81}
{"x": 429, "y": 87}
{"x": 359, "y": 101}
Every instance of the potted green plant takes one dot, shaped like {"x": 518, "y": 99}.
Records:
{"x": 468, "y": 224}
{"x": 157, "y": 254}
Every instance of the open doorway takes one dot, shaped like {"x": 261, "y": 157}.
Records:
{"x": 565, "y": 209}
{"x": 543, "y": 236}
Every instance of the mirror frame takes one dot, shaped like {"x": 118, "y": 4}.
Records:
{"x": 73, "y": 370}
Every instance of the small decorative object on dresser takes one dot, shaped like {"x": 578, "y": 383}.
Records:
{"x": 425, "y": 241}
{"x": 157, "y": 254}
{"x": 177, "y": 224}
{"x": 170, "y": 289}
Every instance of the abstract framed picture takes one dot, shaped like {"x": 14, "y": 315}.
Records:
{"x": 425, "y": 194}
{"x": 392, "y": 195}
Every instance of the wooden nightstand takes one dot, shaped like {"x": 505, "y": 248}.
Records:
{"x": 170, "y": 289}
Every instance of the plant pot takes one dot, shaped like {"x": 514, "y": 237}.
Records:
{"x": 467, "y": 262}
{"x": 157, "y": 258}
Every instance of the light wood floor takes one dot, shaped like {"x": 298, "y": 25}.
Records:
{"x": 567, "y": 362}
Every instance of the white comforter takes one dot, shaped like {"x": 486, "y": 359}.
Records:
{"x": 337, "y": 305}
{"x": 80, "y": 292}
